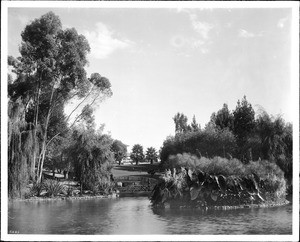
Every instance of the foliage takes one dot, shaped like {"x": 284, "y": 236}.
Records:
{"x": 243, "y": 123}
{"x": 216, "y": 165}
{"x": 218, "y": 182}
{"x": 53, "y": 187}
{"x": 151, "y": 155}
{"x": 92, "y": 158}
{"x": 20, "y": 148}
{"x": 235, "y": 134}
{"x": 194, "y": 125}
{"x": 137, "y": 153}
{"x": 36, "y": 189}
{"x": 207, "y": 142}
{"x": 119, "y": 149}
{"x": 224, "y": 118}
{"x": 180, "y": 121}
{"x": 276, "y": 141}
{"x": 182, "y": 126}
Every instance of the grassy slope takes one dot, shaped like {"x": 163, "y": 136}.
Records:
{"x": 135, "y": 170}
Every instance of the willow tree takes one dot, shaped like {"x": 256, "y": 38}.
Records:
{"x": 50, "y": 72}
{"x": 91, "y": 156}
{"x": 19, "y": 148}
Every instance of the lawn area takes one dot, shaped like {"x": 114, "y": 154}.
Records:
{"x": 136, "y": 170}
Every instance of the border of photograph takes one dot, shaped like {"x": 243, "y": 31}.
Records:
{"x": 5, "y": 5}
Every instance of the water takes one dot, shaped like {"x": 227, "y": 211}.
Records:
{"x": 136, "y": 216}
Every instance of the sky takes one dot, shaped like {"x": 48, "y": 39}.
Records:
{"x": 169, "y": 60}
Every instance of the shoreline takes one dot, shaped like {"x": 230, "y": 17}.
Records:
{"x": 227, "y": 207}
{"x": 61, "y": 198}
{"x": 167, "y": 206}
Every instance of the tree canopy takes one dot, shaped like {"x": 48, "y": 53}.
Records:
{"x": 137, "y": 153}
{"x": 119, "y": 149}
{"x": 151, "y": 155}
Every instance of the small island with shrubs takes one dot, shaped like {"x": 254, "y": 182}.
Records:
{"x": 219, "y": 183}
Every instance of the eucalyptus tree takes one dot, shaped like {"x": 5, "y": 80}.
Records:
{"x": 50, "y": 72}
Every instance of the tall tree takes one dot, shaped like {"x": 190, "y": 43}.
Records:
{"x": 50, "y": 72}
{"x": 181, "y": 124}
{"x": 243, "y": 124}
{"x": 137, "y": 153}
{"x": 19, "y": 149}
{"x": 151, "y": 155}
{"x": 224, "y": 118}
{"x": 194, "y": 125}
{"x": 119, "y": 149}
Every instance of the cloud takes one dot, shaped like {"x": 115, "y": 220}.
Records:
{"x": 187, "y": 45}
{"x": 103, "y": 41}
{"x": 202, "y": 28}
{"x": 281, "y": 22}
{"x": 245, "y": 34}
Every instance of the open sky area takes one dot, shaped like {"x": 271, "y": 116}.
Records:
{"x": 164, "y": 61}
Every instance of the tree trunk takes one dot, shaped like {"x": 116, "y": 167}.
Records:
{"x": 43, "y": 152}
{"x": 35, "y": 175}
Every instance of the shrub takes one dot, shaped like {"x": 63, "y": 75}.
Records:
{"x": 208, "y": 143}
{"x": 36, "y": 189}
{"x": 53, "y": 187}
{"x": 273, "y": 183}
{"x": 215, "y": 166}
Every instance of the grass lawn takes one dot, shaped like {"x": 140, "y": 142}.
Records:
{"x": 136, "y": 170}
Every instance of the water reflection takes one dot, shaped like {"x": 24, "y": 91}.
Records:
{"x": 136, "y": 216}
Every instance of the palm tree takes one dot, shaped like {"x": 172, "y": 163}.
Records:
{"x": 151, "y": 155}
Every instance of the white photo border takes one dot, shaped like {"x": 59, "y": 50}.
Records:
{"x": 6, "y": 5}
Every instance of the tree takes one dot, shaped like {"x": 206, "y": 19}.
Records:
{"x": 276, "y": 141}
{"x": 50, "y": 72}
{"x": 151, "y": 155}
{"x": 92, "y": 158}
{"x": 194, "y": 125}
{"x": 224, "y": 118}
{"x": 19, "y": 149}
{"x": 119, "y": 149}
{"x": 137, "y": 153}
{"x": 180, "y": 121}
{"x": 243, "y": 124}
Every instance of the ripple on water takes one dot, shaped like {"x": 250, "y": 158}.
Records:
{"x": 136, "y": 216}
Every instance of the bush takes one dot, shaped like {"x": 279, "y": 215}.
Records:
{"x": 36, "y": 189}
{"x": 268, "y": 176}
{"x": 53, "y": 187}
{"x": 208, "y": 143}
{"x": 215, "y": 166}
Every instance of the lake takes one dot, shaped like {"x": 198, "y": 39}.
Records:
{"x": 134, "y": 215}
